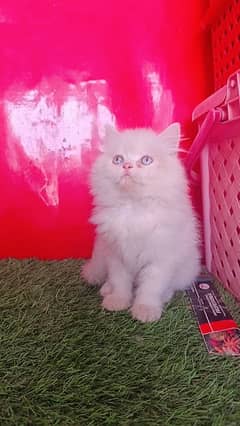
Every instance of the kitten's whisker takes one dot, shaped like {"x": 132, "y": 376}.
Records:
{"x": 182, "y": 150}
{"x": 177, "y": 150}
{"x": 183, "y": 138}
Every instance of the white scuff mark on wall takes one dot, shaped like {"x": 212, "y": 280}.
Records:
{"x": 162, "y": 100}
{"x": 49, "y": 134}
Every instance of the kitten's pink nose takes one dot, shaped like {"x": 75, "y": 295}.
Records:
{"x": 127, "y": 165}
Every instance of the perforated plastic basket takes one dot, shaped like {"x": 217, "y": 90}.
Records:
{"x": 225, "y": 35}
{"x": 219, "y": 136}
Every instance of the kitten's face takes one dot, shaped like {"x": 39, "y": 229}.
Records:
{"x": 135, "y": 158}
{"x": 129, "y": 167}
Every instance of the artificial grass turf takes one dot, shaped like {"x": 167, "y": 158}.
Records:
{"x": 63, "y": 361}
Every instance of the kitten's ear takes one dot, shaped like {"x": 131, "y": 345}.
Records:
{"x": 110, "y": 131}
{"x": 171, "y": 135}
{"x": 110, "y": 134}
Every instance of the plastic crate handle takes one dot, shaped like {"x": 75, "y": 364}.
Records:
{"x": 213, "y": 116}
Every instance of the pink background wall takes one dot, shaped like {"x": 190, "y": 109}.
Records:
{"x": 67, "y": 69}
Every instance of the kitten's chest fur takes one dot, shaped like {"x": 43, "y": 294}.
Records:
{"x": 132, "y": 219}
{"x": 137, "y": 231}
{"x": 129, "y": 227}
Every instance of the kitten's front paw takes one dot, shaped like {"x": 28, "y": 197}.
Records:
{"x": 146, "y": 313}
{"x": 113, "y": 302}
{"x": 89, "y": 274}
{"x": 106, "y": 289}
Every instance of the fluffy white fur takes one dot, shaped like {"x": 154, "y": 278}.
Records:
{"x": 146, "y": 243}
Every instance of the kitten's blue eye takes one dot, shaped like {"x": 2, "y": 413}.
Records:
{"x": 146, "y": 160}
{"x": 118, "y": 159}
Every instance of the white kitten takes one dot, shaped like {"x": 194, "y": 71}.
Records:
{"x": 146, "y": 245}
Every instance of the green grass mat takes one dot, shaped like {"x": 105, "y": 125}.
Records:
{"x": 63, "y": 361}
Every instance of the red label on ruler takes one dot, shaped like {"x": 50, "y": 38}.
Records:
{"x": 219, "y": 330}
